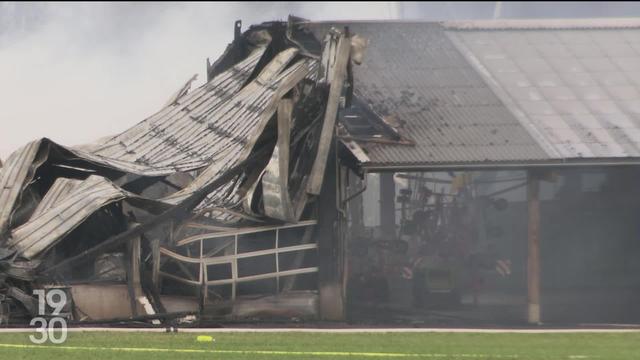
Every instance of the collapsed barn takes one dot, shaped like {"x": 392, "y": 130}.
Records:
{"x": 457, "y": 173}
{"x": 202, "y": 205}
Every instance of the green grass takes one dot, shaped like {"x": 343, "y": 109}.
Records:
{"x": 606, "y": 346}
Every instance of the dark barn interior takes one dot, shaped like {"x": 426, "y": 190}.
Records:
{"x": 457, "y": 252}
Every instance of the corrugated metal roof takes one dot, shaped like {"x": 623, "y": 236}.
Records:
{"x": 43, "y": 231}
{"x": 213, "y": 128}
{"x": 259, "y": 106}
{"x": 14, "y": 176}
{"x": 525, "y": 91}
{"x": 177, "y": 138}
{"x": 58, "y": 191}
{"x": 67, "y": 204}
{"x": 412, "y": 71}
{"x": 579, "y": 88}
{"x": 181, "y": 136}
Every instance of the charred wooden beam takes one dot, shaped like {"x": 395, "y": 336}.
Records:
{"x": 337, "y": 78}
{"x": 133, "y": 274}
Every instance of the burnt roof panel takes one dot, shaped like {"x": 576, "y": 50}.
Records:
{"x": 415, "y": 74}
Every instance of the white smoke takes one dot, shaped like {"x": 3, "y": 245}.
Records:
{"x": 78, "y": 72}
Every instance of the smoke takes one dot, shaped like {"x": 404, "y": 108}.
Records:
{"x": 79, "y": 72}
{"x": 76, "y": 72}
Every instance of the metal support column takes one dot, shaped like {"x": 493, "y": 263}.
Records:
{"x": 533, "y": 246}
{"x": 387, "y": 205}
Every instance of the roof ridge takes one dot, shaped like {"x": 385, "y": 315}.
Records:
{"x": 507, "y": 24}
{"x": 544, "y": 24}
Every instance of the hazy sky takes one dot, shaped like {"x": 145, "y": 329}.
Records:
{"x": 76, "y": 72}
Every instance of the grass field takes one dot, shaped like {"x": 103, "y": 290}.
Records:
{"x": 158, "y": 346}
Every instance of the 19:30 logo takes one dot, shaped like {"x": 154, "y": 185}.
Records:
{"x": 55, "y": 299}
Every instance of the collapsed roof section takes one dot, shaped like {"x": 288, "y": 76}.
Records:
{"x": 249, "y": 147}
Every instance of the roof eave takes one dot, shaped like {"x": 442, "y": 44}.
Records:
{"x": 372, "y": 167}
